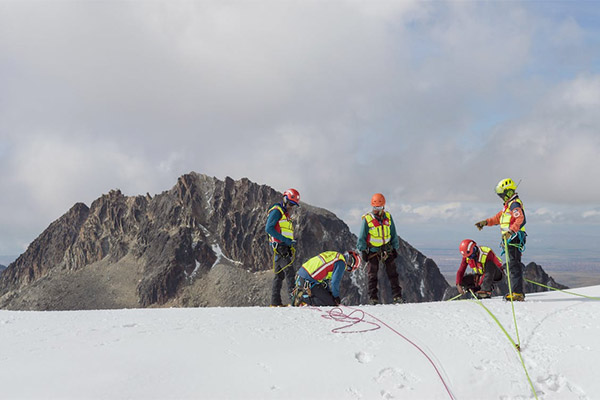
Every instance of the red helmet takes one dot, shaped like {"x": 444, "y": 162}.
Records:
{"x": 378, "y": 200}
{"x": 292, "y": 196}
{"x": 467, "y": 247}
{"x": 352, "y": 260}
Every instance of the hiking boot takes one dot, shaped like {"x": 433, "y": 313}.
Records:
{"x": 482, "y": 294}
{"x": 373, "y": 302}
{"x": 515, "y": 297}
{"x": 397, "y": 300}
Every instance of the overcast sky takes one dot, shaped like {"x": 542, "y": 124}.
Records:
{"x": 429, "y": 102}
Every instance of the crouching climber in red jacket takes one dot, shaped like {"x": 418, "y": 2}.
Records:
{"x": 487, "y": 269}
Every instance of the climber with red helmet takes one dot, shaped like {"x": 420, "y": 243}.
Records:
{"x": 318, "y": 280}
{"x": 280, "y": 229}
{"x": 378, "y": 242}
{"x": 512, "y": 227}
{"x": 486, "y": 266}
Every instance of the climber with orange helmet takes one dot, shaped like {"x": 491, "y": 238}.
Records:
{"x": 486, "y": 266}
{"x": 378, "y": 242}
{"x": 512, "y": 226}
{"x": 318, "y": 280}
{"x": 280, "y": 229}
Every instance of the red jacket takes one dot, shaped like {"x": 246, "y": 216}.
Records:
{"x": 491, "y": 258}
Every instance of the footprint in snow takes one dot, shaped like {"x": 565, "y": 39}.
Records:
{"x": 363, "y": 357}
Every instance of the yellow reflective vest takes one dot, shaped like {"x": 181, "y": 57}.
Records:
{"x": 284, "y": 225}
{"x": 478, "y": 265}
{"x": 507, "y": 216}
{"x": 379, "y": 232}
{"x": 321, "y": 267}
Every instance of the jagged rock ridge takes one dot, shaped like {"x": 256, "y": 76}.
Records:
{"x": 202, "y": 236}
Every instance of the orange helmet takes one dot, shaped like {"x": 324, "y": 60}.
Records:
{"x": 378, "y": 200}
{"x": 292, "y": 196}
{"x": 468, "y": 248}
{"x": 352, "y": 260}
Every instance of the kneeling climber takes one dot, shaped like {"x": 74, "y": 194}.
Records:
{"x": 318, "y": 280}
{"x": 487, "y": 269}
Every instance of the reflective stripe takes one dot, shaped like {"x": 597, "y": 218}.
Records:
{"x": 321, "y": 267}
{"x": 379, "y": 232}
{"x": 284, "y": 225}
{"x": 507, "y": 216}
{"x": 479, "y": 265}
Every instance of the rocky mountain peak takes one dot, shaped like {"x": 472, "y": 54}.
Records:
{"x": 202, "y": 237}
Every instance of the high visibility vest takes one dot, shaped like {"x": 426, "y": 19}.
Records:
{"x": 479, "y": 264}
{"x": 284, "y": 225}
{"x": 507, "y": 216}
{"x": 379, "y": 232}
{"x": 321, "y": 267}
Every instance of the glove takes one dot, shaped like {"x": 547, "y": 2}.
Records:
{"x": 461, "y": 290}
{"x": 288, "y": 242}
{"x": 481, "y": 224}
{"x": 337, "y": 301}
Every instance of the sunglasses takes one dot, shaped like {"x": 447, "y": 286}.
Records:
{"x": 473, "y": 254}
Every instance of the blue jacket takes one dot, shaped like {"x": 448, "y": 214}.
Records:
{"x": 361, "y": 245}
{"x": 336, "y": 277}
{"x": 272, "y": 220}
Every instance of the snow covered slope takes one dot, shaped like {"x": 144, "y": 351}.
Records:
{"x": 443, "y": 350}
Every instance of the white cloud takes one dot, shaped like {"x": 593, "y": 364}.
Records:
{"x": 429, "y": 103}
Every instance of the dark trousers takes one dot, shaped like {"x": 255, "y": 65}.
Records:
{"x": 492, "y": 274}
{"x": 283, "y": 270}
{"x": 516, "y": 267}
{"x": 320, "y": 296}
{"x": 471, "y": 282}
{"x": 390, "y": 269}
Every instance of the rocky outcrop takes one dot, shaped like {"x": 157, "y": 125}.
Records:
{"x": 2, "y": 268}
{"x": 535, "y": 273}
{"x": 162, "y": 250}
{"x": 532, "y": 272}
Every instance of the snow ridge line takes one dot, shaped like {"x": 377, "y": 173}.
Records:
{"x": 437, "y": 370}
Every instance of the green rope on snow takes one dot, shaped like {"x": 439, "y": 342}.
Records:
{"x": 512, "y": 303}
{"x": 455, "y": 297}
{"x": 564, "y": 291}
{"x": 515, "y": 345}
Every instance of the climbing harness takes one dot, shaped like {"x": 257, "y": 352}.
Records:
{"x": 292, "y": 251}
{"x": 520, "y": 244}
{"x": 301, "y": 293}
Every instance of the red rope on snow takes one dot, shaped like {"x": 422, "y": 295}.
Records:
{"x": 338, "y": 315}
{"x": 414, "y": 344}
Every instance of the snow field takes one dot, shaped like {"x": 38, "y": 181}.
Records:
{"x": 298, "y": 353}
